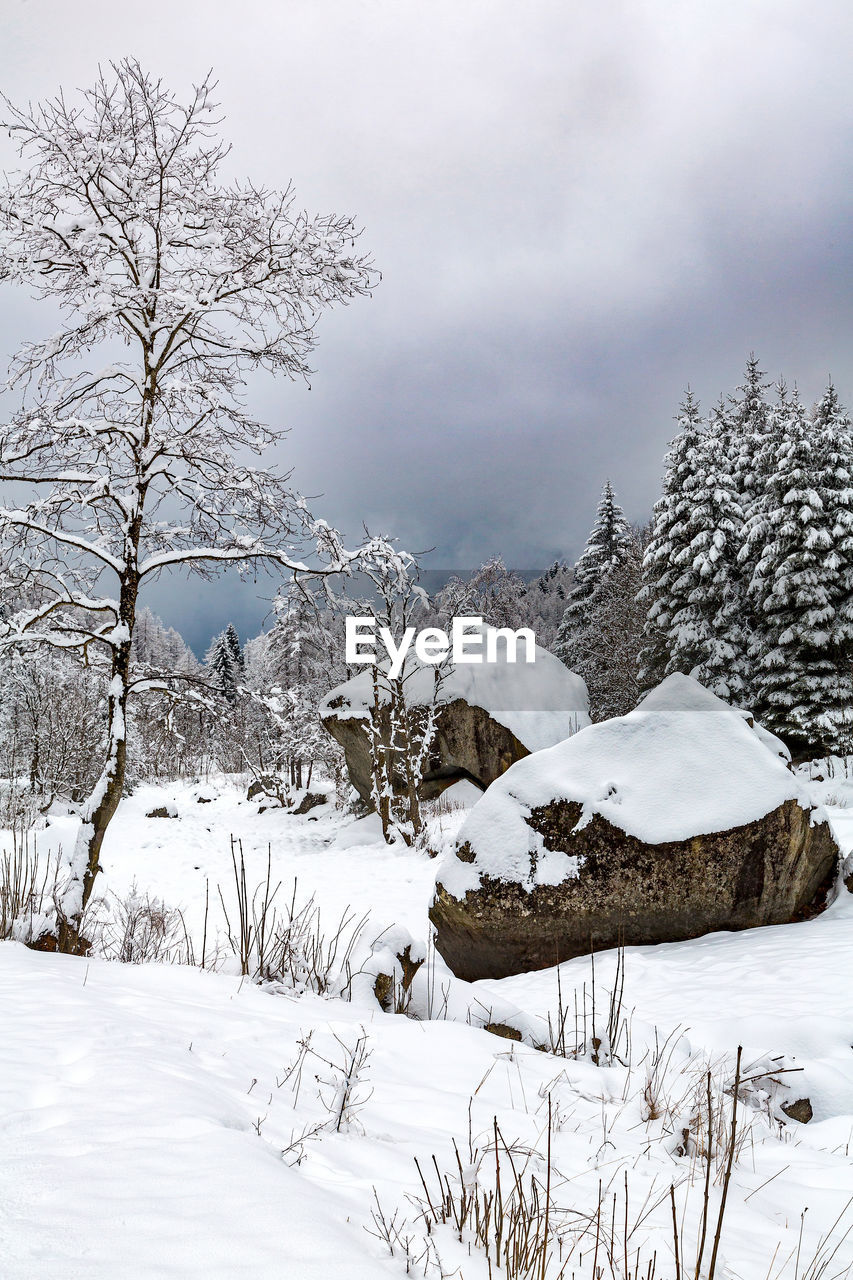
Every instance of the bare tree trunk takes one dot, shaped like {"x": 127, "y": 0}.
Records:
{"x": 379, "y": 766}
{"x": 100, "y": 808}
{"x": 408, "y": 751}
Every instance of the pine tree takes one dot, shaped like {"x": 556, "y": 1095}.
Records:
{"x": 607, "y": 547}
{"x": 614, "y": 636}
{"x": 693, "y": 623}
{"x": 668, "y": 540}
{"x": 233, "y": 642}
{"x": 223, "y": 667}
{"x": 748, "y": 422}
{"x": 801, "y": 539}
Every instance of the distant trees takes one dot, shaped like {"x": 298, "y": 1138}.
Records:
{"x": 545, "y": 601}
{"x": 51, "y": 724}
{"x": 288, "y": 671}
{"x": 156, "y": 647}
{"x": 493, "y": 592}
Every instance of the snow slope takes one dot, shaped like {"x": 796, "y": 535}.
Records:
{"x": 145, "y": 1110}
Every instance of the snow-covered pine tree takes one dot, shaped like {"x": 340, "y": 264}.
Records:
{"x": 693, "y": 622}
{"x": 225, "y": 670}
{"x": 754, "y": 428}
{"x": 233, "y": 642}
{"x": 615, "y": 636}
{"x": 666, "y": 541}
{"x": 801, "y": 540}
{"x": 607, "y": 547}
{"x": 748, "y": 422}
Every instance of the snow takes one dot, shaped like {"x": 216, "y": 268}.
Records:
{"x": 541, "y": 702}
{"x": 150, "y": 1128}
{"x": 683, "y": 763}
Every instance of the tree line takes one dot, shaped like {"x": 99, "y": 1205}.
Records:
{"x": 744, "y": 577}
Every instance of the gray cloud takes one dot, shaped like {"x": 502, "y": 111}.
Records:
{"x": 577, "y": 209}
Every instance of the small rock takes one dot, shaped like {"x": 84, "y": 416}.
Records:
{"x": 164, "y": 811}
{"x": 261, "y": 786}
{"x": 503, "y": 1030}
{"x": 800, "y": 1110}
{"x": 310, "y": 801}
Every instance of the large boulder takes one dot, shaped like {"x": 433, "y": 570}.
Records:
{"x": 490, "y": 715}
{"x": 678, "y": 819}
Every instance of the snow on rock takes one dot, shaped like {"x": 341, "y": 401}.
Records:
{"x": 670, "y": 822}
{"x": 540, "y": 702}
{"x": 682, "y": 764}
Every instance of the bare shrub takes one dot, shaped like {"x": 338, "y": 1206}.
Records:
{"x": 343, "y": 1088}
{"x": 500, "y": 1199}
{"x": 28, "y": 887}
{"x": 583, "y": 1029}
{"x": 140, "y": 929}
{"x": 282, "y": 940}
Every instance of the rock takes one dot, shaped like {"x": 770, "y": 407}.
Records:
{"x": 671, "y": 822}
{"x": 163, "y": 811}
{"x": 490, "y": 716}
{"x": 310, "y": 801}
{"x": 503, "y": 1029}
{"x": 468, "y": 744}
{"x": 801, "y": 1110}
{"x": 262, "y": 786}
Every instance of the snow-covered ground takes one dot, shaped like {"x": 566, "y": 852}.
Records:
{"x": 162, "y": 1121}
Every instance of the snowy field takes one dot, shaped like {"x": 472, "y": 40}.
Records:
{"x": 163, "y": 1121}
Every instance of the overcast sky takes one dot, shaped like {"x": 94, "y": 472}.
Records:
{"x": 577, "y": 208}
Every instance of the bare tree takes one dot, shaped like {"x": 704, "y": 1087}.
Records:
{"x": 493, "y": 592}
{"x": 401, "y": 726}
{"x": 137, "y": 463}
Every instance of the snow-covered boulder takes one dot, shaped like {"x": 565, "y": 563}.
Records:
{"x": 491, "y": 715}
{"x": 675, "y": 820}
